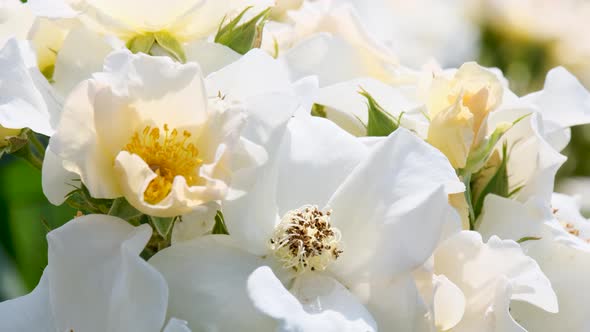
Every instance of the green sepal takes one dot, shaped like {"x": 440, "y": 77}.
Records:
{"x": 275, "y": 47}
{"x": 122, "y": 209}
{"x": 466, "y": 179}
{"x": 478, "y": 157}
{"x": 48, "y": 72}
{"x": 380, "y": 123}
{"x": 244, "y": 37}
{"x": 26, "y": 146}
{"x": 81, "y": 200}
{"x": 145, "y": 43}
{"x": 161, "y": 238}
{"x": 141, "y": 43}
{"x": 319, "y": 111}
{"x": 219, "y": 227}
{"x": 515, "y": 191}
{"x": 528, "y": 238}
{"x": 14, "y": 143}
{"x": 171, "y": 45}
{"x": 497, "y": 185}
{"x": 163, "y": 225}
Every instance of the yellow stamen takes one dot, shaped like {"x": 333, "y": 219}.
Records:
{"x": 168, "y": 156}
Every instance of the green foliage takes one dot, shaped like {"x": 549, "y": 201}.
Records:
{"x": 141, "y": 43}
{"x": 122, "y": 209}
{"x": 81, "y": 200}
{"x": 497, "y": 184}
{"x": 163, "y": 225}
{"x": 219, "y": 227}
{"x": 171, "y": 45}
{"x": 380, "y": 123}
{"x": 146, "y": 42}
{"x": 524, "y": 61}
{"x": 481, "y": 153}
{"x": 244, "y": 37}
{"x": 25, "y": 216}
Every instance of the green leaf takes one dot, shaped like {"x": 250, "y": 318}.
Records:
{"x": 481, "y": 153}
{"x": 163, "y": 225}
{"x": 319, "y": 111}
{"x": 122, "y": 209}
{"x": 25, "y": 216}
{"x": 141, "y": 43}
{"x": 81, "y": 200}
{"x": 466, "y": 178}
{"x": 497, "y": 184}
{"x": 219, "y": 227}
{"x": 171, "y": 45}
{"x": 244, "y": 37}
{"x": 223, "y": 31}
{"x": 528, "y": 238}
{"x": 478, "y": 157}
{"x": 380, "y": 123}
{"x": 515, "y": 191}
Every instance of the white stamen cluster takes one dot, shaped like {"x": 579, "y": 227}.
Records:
{"x": 304, "y": 240}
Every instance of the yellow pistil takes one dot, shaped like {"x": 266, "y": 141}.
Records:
{"x": 169, "y": 155}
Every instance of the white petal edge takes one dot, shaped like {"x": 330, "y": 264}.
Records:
{"x": 272, "y": 298}
{"x": 98, "y": 282}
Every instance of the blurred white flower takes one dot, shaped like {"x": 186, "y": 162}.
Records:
{"x": 327, "y": 39}
{"x": 28, "y": 101}
{"x": 578, "y": 186}
{"x": 419, "y": 31}
{"x": 527, "y": 19}
{"x": 16, "y": 20}
{"x": 542, "y": 24}
{"x": 185, "y": 20}
{"x": 282, "y": 7}
{"x": 45, "y": 23}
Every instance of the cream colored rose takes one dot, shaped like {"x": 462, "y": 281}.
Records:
{"x": 458, "y": 108}
{"x": 150, "y": 135}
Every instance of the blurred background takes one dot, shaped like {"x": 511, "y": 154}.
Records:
{"x": 524, "y": 38}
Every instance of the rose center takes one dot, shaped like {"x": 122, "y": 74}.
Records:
{"x": 304, "y": 240}
{"x": 168, "y": 154}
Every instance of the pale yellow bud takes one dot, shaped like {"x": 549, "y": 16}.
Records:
{"x": 451, "y": 132}
{"x": 459, "y": 108}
